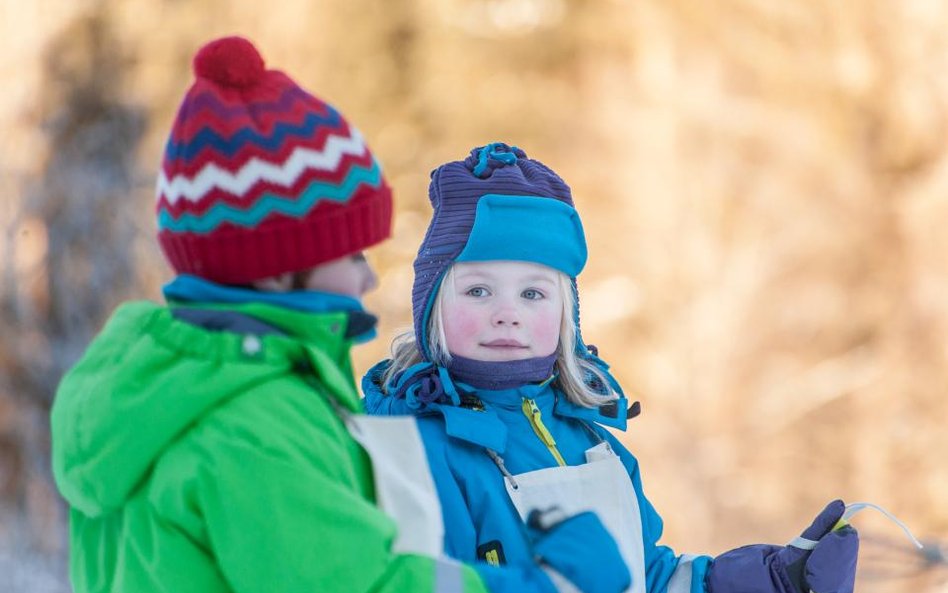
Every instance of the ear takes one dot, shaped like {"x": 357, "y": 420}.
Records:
{"x": 281, "y": 283}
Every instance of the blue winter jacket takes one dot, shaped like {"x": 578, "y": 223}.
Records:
{"x": 480, "y": 521}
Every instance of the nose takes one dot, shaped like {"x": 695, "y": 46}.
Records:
{"x": 371, "y": 281}
{"x": 506, "y": 316}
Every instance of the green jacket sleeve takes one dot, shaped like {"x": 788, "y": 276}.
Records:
{"x": 280, "y": 497}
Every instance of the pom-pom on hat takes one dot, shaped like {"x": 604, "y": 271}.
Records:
{"x": 497, "y": 204}
{"x": 260, "y": 178}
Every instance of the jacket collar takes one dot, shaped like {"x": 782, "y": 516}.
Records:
{"x": 480, "y": 426}
{"x": 282, "y": 310}
{"x": 264, "y": 332}
{"x": 612, "y": 414}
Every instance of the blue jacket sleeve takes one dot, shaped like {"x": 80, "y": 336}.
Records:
{"x": 665, "y": 572}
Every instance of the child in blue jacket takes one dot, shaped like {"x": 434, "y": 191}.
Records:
{"x": 512, "y": 404}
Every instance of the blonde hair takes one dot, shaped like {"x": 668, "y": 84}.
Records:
{"x": 583, "y": 383}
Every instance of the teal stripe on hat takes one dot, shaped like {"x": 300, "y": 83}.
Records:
{"x": 269, "y": 203}
{"x": 544, "y": 231}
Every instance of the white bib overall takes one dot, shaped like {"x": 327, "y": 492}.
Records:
{"x": 601, "y": 485}
{"x": 404, "y": 488}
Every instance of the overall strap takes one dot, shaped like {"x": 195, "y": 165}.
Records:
{"x": 499, "y": 462}
{"x": 595, "y": 435}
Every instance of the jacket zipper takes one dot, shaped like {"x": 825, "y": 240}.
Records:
{"x": 532, "y": 412}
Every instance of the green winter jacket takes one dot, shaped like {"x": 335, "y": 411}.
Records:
{"x": 210, "y": 461}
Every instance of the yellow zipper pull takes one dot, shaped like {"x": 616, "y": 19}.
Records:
{"x": 532, "y": 412}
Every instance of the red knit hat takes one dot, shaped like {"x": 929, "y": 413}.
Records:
{"x": 260, "y": 178}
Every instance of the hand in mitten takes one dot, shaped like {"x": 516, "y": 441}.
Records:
{"x": 821, "y": 560}
{"x": 580, "y": 549}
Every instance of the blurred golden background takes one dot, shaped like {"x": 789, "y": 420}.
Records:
{"x": 764, "y": 187}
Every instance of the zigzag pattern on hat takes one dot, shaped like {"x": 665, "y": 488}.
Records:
{"x": 209, "y": 101}
{"x": 282, "y": 132}
{"x": 257, "y": 169}
{"x": 244, "y": 172}
{"x": 269, "y": 203}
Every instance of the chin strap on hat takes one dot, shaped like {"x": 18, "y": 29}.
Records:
{"x": 425, "y": 383}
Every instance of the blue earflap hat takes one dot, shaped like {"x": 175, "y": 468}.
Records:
{"x": 497, "y": 204}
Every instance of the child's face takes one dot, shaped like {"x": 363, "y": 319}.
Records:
{"x": 351, "y": 275}
{"x": 502, "y": 310}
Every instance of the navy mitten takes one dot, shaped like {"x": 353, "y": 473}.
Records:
{"x": 821, "y": 560}
{"x": 581, "y": 549}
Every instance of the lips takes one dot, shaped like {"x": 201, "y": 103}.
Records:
{"x": 503, "y": 343}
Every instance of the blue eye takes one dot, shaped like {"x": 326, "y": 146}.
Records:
{"x": 477, "y": 291}
{"x": 532, "y": 295}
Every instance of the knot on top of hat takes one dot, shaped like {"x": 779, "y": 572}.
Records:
{"x": 482, "y": 161}
{"x": 229, "y": 61}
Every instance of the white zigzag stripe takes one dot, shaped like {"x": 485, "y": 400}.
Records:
{"x": 256, "y": 170}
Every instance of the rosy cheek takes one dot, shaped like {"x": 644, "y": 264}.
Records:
{"x": 460, "y": 330}
{"x": 546, "y": 335}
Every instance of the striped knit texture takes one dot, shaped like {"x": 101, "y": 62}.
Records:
{"x": 260, "y": 178}
{"x": 454, "y": 192}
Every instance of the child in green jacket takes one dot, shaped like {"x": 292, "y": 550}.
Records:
{"x": 206, "y": 445}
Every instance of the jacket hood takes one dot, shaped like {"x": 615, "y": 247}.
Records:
{"x": 375, "y": 401}
{"x": 142, "y": 383}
